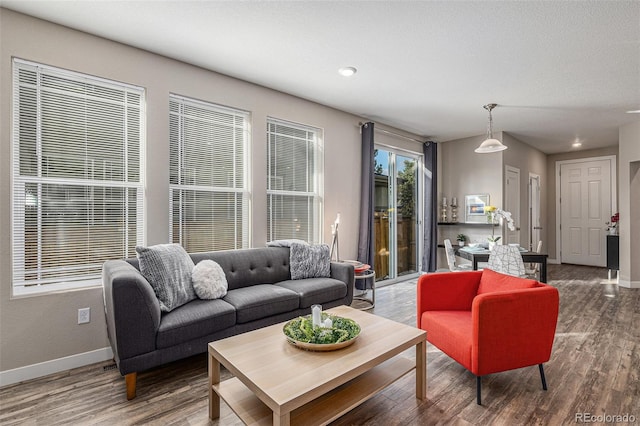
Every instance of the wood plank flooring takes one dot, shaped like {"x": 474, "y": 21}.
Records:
{"x": 594, "y": 368}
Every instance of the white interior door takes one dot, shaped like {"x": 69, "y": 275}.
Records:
{"x": 534, "y": 211}
{"x": 512, "y": 203}
{"x": 585, "y": 207}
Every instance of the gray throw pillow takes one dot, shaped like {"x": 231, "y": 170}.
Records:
{"x": 209, "y": 280}
{"x": 309, "y": 261}
{"x": 168, "y": 268}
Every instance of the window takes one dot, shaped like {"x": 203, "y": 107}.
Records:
{"x": 295, "y": 176}
{"x": 209, "y": 193}
{"x": 77, "y": 176}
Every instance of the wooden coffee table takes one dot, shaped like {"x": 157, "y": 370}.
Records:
{"x": 277, "y": 383}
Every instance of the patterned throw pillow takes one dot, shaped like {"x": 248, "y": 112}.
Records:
{"x": 168, "y": 268}
{"x": 209, "y": 280}
{"x": 309, "y": 261}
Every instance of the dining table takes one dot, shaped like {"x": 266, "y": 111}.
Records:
{"x": 480, "y": 254}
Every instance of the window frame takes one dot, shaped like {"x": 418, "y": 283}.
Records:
{"x": 244, "y": 190}
{"x": 20, "y": 285}
{"x": 317, "y": 192}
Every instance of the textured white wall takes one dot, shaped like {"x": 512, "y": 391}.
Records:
{"x": 43, "y": 328}
{"x": 629, "y": 204}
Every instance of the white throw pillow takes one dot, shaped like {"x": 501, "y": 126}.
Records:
{"x": 209, "y": 280}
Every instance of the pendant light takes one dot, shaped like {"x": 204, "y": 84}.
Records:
{"x": 490, "y": 144}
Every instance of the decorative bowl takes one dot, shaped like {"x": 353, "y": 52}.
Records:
{"x": 301, "y": 333}
{"x": 473, "y": 245}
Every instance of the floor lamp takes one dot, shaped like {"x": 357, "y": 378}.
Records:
{"x": 334, "y": 242}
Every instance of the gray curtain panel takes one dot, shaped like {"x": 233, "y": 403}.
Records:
{"x": 430, "y": 222}
{"x": 366, "y": 237}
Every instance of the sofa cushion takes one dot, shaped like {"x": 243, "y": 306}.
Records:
{"x": 261, "y": 301}
{"x": 168, "y": 268}
{"x": 451, "y": 332}
{"x": 309, "y": 261}
{"x": 209, "y": 281}
{"x": 316, "y": 290}
{"x": 492, "y": 281}
{"x": 193, "y": 320}
{"x": 248, "y": 267}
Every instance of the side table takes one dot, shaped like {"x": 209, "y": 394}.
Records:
{"x": 363, "y": 276}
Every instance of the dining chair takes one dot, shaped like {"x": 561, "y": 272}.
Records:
{"x": 451, "y": 258}
{"x": 507, "y": 260}
{"x": 531, "y": 269}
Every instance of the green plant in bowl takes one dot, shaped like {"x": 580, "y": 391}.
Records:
{"x": 301, "y": 329}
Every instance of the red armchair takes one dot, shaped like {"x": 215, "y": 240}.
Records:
{"x": 487, "y": 321}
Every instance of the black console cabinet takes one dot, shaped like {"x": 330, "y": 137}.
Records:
{"x": 613, "y": 256}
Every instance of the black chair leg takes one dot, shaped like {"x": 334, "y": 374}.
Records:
{"x": 544, "y": 381}
{"x": 478, "y": 389}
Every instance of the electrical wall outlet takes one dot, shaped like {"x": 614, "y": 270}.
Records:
{"x": 84, "y": 315}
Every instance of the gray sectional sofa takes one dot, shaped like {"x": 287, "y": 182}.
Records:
{"x": 260, "y": 293}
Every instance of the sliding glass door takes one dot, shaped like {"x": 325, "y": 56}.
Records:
{"x": 397, "y": 209}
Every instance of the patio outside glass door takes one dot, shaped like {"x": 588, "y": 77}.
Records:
{"x": 397, "y": 209}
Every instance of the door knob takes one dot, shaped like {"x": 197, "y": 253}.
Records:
{"x": 537, "y": 227}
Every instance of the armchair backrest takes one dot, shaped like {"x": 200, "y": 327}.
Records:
{"x": 492, "y": 281}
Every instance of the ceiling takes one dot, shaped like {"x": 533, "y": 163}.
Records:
{"x": 560, "y": 71}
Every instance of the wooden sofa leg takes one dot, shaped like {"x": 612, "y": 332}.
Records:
{"x": 130, "y": 380}
{"x": 478, "y": 389}
{"x": 544, "y": 381}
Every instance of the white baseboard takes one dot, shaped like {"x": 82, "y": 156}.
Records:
{"x": 629, "y": 284}
{"x": 33, "y": 371}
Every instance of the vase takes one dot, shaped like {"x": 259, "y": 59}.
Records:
{"x": 613, "y": 231}
{"x": 492, "y": 244}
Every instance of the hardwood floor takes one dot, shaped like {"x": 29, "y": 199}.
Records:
{"x": 594, "y": 368}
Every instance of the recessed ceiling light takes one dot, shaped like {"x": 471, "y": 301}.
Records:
{"x": 347, "y": 71}
{"x": 576, "y": 144}
{"x": 637, "y": 111}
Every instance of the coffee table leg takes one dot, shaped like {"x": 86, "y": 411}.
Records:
{"x": 214, "y": 379}
{"x": 281, "y": 419}
{"x": 421, "y": 370}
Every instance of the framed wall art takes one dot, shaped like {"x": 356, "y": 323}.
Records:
{"x": 474, "y": 208}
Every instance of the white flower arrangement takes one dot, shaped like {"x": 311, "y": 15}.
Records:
{"x": 494, "y": 213}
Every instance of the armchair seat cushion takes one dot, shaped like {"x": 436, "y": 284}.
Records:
{"x": 316, "y": 290}
{"x": 260, "y": 301}
{"x": 193, "y": 320}
{"x": 451, "y": 332}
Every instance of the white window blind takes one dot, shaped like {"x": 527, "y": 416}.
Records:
{"x": 294, "y": 187}
{"x": 209, "y": 193}
{"x": 77, "y": 176}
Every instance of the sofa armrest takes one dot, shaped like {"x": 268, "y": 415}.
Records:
{"x": 446, "y": 291}
{"x": 513, "y": 329}
{"x": 131, "y": 308}
{"x": 344, "y": 272}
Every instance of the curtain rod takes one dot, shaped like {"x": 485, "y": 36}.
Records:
{"x": 376, "y": 129}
